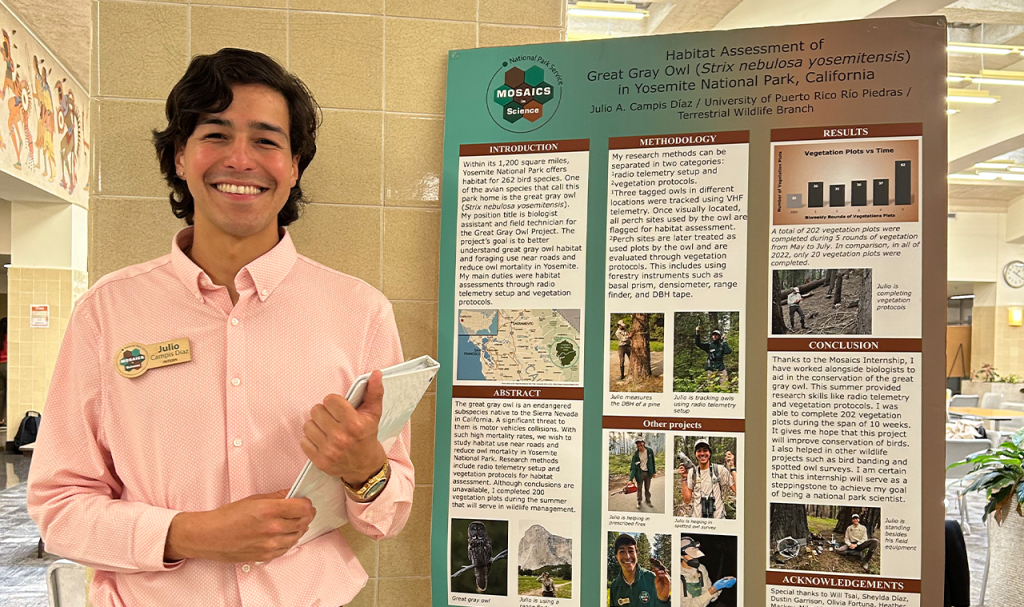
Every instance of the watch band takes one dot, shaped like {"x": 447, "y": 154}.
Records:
{"x": 372, "y": 487}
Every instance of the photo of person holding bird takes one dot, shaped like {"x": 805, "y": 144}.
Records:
{"x": 702, "y": 558}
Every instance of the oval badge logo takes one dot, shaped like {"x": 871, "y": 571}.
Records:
{"x": 524, "y": 94}
{"x": 131, "y": 360}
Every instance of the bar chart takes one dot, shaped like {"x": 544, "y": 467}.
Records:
{"x": 864, "y": 180}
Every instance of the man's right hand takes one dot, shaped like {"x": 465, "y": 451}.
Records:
{"x": 257, "y": 528}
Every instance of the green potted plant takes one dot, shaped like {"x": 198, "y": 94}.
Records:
{"x": 999, "y": 474}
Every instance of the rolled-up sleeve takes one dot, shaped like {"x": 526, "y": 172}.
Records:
{"x": 385, "y": 516}
{"x": 73, "y": 489}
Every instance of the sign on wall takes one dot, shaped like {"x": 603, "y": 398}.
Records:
{"x": 683, "y": 300}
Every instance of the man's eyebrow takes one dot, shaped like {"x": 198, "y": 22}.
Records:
{"x": 255, "y": 125}
{"x": 266, "y": 126}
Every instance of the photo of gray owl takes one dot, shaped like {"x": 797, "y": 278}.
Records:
{"x": 478, "y": 556}
{"x": 480, "y": 551}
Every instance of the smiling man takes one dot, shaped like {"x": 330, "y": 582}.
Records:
{"x": 635, "y": 585}
{"x": 191, "y": 389}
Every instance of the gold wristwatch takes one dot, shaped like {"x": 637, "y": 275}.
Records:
{"x": 372, "y": 487}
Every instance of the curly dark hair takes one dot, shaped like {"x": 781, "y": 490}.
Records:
{"x": 206, "y": 89}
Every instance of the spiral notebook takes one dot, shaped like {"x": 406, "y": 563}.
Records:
{"x": 404, "y": 386}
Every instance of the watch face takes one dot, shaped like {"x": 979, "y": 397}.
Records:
{"x": 1013, "y": 274}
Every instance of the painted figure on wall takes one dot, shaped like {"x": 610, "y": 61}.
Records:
{"x": 66, "y": 121}
{"x": 17, "y": 120}
{"x": 44, "y": 131}
{"x": 6, "y": 50}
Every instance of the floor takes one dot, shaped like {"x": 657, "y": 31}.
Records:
{"x": 22, "y": 575}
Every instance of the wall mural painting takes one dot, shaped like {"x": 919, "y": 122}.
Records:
{"x": 46, "y": 142}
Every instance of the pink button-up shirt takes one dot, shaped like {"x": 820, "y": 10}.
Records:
{"x": 117, "y": 458}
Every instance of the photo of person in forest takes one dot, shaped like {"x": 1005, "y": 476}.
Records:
{"x": 833, "y": 301}
{"x": 707, "y": 352}
{"x": 636, "y": 357}
{"x": 830, "y": 538}
{"x": 637, "y": 472}
{"x": 705, "y": 479}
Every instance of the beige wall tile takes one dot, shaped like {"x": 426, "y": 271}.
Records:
{"x": 507, "y": 35}
{"x": 110, "y": 218}
{"x": 214, "y": 28}
{"x": 363, "y": 7}
{"x": 341, "y": 237}
{"x": 413, "y": 151}
{"x": 407, "y": 592}
{"x": 367, "y": 597}
{"x": 339, "y": 57}
{"x": 416, "y": 62}
{"x": 411, "y": 249}
{"x": 346, "y": 169}
{"x": 408, "y": 554}
{"x": 249, "y": 3}
{"x": 126, "y": 159}
{"x": 417, "y": 324}
{"x": 143, "y": 48}
{"x": 523, "y": 12}
{"x": 423, "y": 439}
{"x": 459, "y": 10}
{"x": 364, "y": 548}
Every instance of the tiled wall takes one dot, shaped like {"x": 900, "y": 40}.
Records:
{"x": 33, "y": 352}
{"x": 378, "y": 69}
{"x": 995, "y": 342}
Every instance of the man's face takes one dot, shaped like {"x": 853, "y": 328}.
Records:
{"x": 703, "y": 454}
{"x": 239, "y": 164}
{"x": 685, "y": 561}
{"x": 626, "y": 555}
{"x": 640, "y": 445}
{"x": 716, "y": 336}
{"x": 856, "y": 522}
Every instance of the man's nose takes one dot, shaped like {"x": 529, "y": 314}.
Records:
{"x": 239, "y": 157}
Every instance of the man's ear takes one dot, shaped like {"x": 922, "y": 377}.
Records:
{"x": 179, "y": 162}
{"x": 295, "y": 170}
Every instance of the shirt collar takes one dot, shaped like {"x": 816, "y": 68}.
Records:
{"x": 267, "y": 271}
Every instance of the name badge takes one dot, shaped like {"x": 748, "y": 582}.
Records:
{"x": 132, "y": 360}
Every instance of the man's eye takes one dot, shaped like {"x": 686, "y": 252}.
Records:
{"x": 268, "y": 142}
{"x": 215, "y": 136}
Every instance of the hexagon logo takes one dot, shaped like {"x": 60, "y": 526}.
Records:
{"x": 529, "y": 88}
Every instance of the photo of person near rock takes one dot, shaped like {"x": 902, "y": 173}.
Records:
{"x": 821, "y": 302}
{"x": 545, "y": 563}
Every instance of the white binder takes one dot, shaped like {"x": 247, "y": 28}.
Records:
{"x": 404, "y": 386}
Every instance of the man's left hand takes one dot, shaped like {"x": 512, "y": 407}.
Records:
{"x": 662, "y": 584}
{"x": 730, "y": 460}
{"x": 342, "y": 440}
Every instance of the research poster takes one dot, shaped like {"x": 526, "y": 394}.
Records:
{"x": 690, "y": 316}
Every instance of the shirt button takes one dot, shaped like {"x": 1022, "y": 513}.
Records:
{"x": 234, "y": 321}
{"x": 237, "y": 442}
{"x": 264, "y": 292}
{"x": 246, "y": 568}
{"x": 235, "y": 381}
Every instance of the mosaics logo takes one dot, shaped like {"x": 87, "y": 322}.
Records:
{"x": 524, "y": 94}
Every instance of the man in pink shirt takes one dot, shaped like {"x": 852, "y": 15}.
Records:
{"x": 169, "y": 479}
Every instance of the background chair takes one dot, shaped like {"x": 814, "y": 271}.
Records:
{"x": 964, "y": 400}
{"x": 66, "y": 584}
{"x": 957, "y": 450}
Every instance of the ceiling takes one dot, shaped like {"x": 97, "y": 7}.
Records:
{"x": 65, "y": 26}
{"x": 977, "y": 133}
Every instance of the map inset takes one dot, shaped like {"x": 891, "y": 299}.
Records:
{"x": 519, "y": 345}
